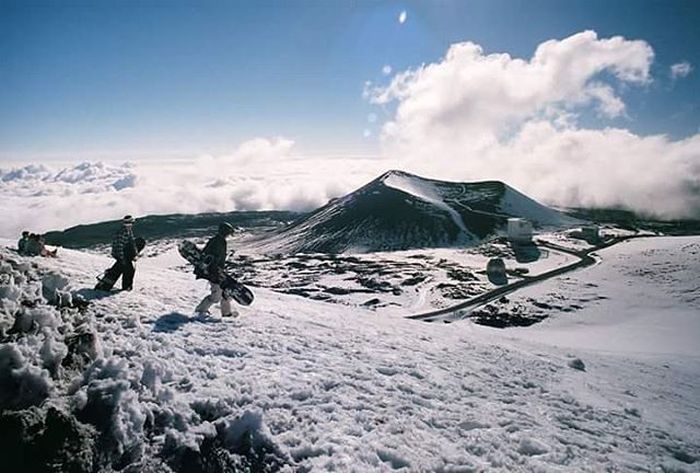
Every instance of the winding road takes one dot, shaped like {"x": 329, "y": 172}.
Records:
{"x": 464, "y": 307}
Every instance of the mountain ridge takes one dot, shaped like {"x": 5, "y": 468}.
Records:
{"x": 399, "y": 211}
{"x": 395, "y": 211}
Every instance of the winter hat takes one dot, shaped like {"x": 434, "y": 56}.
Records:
{"x": 128, "y": 219}
{"x": 225, "y": 228}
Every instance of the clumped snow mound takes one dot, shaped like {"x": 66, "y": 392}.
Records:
{"x": 67, "y": 404}
{"x": 36, "y": 362}
{"x": 21, "y": 384}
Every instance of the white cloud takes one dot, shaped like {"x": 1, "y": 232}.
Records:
{"x": 609, "y": 105}
{"x": 261, "y": 149}
{"x": 261, "y": 174}
{"x": 492, "y": 116}
{"x": 84, "y": 178}
{"x": 680, "y": 70}
{"x": 469, "y": 91}
{"x": 386, "y": 70}
{"x": 402, "y": 17}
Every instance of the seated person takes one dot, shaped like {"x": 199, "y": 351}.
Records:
{"x": 35, "y": 246}
{"x": 22, "y": 243}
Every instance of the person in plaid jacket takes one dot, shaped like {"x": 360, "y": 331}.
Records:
{"x": 124, "y": 252}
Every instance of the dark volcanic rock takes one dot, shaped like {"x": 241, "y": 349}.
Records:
{"x": 458, "y": 291}
{"x": 460, "y": 274}
{"x": 399, "y": 211}
{"x": 36, "y": 440}
{"x": 156, "y": 227}
{"x": 412, "y": 281}
{"x": 500, "y": 317}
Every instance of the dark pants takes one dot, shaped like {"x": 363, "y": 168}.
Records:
{"x": 125, "y": 269}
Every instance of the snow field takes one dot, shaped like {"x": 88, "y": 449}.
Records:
{"x": 643, "y": 298}
{"x": 427, "y": 192}
{"x": 300, "y": 385}
{"x": 390, "y": 283}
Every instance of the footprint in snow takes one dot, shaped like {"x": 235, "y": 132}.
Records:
{"x": 532, "y": 447}
{"x": 387, "y": 371}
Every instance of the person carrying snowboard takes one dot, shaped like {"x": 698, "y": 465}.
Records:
{"x": 124, "y": 252}
{"x": 215, "y": 252}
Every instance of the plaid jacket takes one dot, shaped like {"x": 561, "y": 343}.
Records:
{"x": 123, "y": 247}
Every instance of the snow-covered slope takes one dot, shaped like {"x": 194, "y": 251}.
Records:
{"x": 643, "y": 297}
{"x": 298, "y": 385}
{"x": 402, "y": 211}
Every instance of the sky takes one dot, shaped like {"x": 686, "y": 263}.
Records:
{"x": 540, "y": 94}
{"x": 174, "y": 77}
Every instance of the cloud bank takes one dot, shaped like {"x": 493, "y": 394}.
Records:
{"x": 475, "y": 116}
{"x": 262, "y": 174}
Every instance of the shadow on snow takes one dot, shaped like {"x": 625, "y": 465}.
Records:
{"x": 93, "y": 294}
{"x": 174, "y": 320}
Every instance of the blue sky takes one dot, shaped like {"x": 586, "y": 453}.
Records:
{"x": 169, "y": 78}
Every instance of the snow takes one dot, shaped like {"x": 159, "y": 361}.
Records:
{"x": 312, "y": 386}
{"x": 388, "y": 282}
{"x": 518, "y": 204}
{"x": 651, "y": 305}
{"x": 563, "y": 240}
{"x": 424, "y": 190}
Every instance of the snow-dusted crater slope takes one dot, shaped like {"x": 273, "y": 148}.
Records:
{"x": 399, "y": 211}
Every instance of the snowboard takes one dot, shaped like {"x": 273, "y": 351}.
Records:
{"x": 231, "y": 288}
{"x": 107, "y": 279}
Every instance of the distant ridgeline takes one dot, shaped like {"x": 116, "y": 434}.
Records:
{"x": 632, "y": 221}
{"x": 155, "y": 227}
{"x": 399, "y": 211}
{"x": 396, "y": 211}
